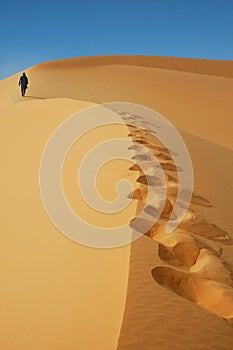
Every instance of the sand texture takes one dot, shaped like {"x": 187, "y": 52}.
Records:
{"x": 160, "y": 292}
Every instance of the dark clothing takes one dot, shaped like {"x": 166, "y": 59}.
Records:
{"x": 23, "y": 82}
{"x": 23, "y": 89}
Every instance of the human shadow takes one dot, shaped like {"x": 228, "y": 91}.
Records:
{"x": 36, "y": 97}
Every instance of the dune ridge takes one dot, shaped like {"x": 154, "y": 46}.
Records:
{"x": 221, "y": 68}
{"x": 192, "y": 99}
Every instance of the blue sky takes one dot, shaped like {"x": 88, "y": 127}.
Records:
{"x": 32, "y": 32}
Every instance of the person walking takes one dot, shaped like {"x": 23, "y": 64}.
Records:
{"x": 23, "y": 82}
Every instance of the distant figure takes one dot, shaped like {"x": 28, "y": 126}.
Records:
{"x": 23, "y": 82}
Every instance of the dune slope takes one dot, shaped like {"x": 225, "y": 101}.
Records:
{"x": 151, "y": 295}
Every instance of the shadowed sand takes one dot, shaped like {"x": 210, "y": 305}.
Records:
{"x": 163, "y": 291}
{"x": 194, "y": 263}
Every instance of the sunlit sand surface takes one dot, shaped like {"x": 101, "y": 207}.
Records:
{"x": 162, "y": 291}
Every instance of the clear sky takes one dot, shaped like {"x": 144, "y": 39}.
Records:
{"x": 35, "y": 31}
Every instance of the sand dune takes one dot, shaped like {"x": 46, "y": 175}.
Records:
{"x": 162, "y": 292}
{"x": 201, "y": 66}
{"x": 195, "y": 95}
{"x": 194, "y": 103}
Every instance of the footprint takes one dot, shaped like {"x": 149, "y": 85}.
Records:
{"x": 175, "y": 280}
{"x": 212, "y": 267}
{"x": 162, "y": 149}
{"x": 199, "y": 200}
{"x": 151, "y": 210}
{"x": 172, "y": 181}
{"x": 134, "y": 147}
{"x": 143, "y": 157}
{"x": 201, "y": 227}
{"x": 131, "y": 126}
{"x": 135, "y": 167}
{"x": 150, "y": 180}
{"x": 140, "y": 141}
{"x": 179, "y": 245}
{"x": 170, "y": 167}
{"x": 139, "y": 194}
{"x": 214, "y": 296}
{"x": 167, "y": 212}
{"x": 162, "y": 156}
{"x": 167, "y": 256}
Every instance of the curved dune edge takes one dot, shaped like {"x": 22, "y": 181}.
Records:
{"x": 192, "y": 65}
{"x": 56, "y": 294}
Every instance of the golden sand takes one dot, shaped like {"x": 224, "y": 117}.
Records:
{"x": 158, "y": 293}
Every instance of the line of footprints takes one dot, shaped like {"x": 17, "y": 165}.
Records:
{"x": 194, "y": 266}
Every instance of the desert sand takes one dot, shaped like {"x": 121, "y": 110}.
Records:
{"x": 162, "y": 291}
